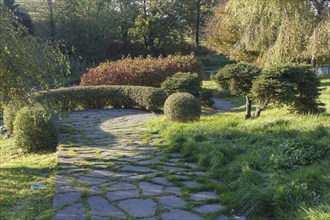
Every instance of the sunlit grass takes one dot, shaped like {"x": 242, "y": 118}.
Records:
{"x": 273, "y": 166}
{"x": 18, "y": 172}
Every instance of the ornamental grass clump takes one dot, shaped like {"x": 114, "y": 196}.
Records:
{"x": 182, "y": 107}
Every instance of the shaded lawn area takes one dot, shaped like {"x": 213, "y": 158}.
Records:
{"x": 276, "y": 166}
{"x": 18, "y": 172}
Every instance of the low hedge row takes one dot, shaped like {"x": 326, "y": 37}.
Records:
{"x": 34, "y": 123}
{"x": 140, "y": 71}
{"x": 96, "y": 97}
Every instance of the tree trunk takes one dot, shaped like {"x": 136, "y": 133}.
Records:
{"x": 51, "y": 20}
{"x": 248, "y": 107}
{"x": 198, "y": 18}
{"x": 259, "y": 109}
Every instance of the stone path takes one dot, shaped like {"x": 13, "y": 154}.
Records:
{"x": 110, "y": 168}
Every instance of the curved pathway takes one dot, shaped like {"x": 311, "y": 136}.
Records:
{"x": 110, "y": 168}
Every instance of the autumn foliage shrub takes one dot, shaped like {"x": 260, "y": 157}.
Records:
{"x": 139, "y": 71}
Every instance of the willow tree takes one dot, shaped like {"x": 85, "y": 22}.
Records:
{"x": 272, "y": 32}
{"x": 25, "y": 63}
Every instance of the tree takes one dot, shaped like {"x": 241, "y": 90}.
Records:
{"x": 238, "y": 78}
{"x": 195, "y": 14}
{"x": 24, "y": 62}
{"x": 158, "y": 27}
{"x": 293, "y": 85}
{"x": 21, "y": 16}
{"x": 272, "y": 32}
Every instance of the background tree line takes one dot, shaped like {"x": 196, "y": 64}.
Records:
{"x": 108, "y": 29}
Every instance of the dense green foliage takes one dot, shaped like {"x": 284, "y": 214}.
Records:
{"x": 35, "y": 129}
{"x": 183, "y": 82}
{"x": 237, "y": 78}
{"x": 294, "y": 85}
{"x": 273, "y": 167}
{"x": 182, "y": 107}
{"x": 140, "y": 71}
{"x": 112, "y": 29}
{"x": 272, "y": 32}
{"x": 9, "y": 114}
{"x": 25, "y": 62}
{"x": 70, "y": 99}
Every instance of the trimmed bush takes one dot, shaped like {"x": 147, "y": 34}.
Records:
{"x": 9, "y": 114}
{"x": 35, "y": 129}
{"x": 96, "y": 97}
{"x": 293, "y": 85}
{"x": 182, "y": 107}
{"x": 183, "y": 82}
{"x": 139, "y": 71}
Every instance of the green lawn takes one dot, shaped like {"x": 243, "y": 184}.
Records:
{"x": 18, "y": 172}
{"x": 276, "y": 166}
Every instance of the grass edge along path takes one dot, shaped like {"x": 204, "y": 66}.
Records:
{"x": 276, "y": 166}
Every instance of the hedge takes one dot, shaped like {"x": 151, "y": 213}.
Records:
{"x": 96, "y": 97}
{"x": 140, "y": 71}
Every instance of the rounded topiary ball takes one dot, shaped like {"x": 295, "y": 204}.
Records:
{"x": 182, "y": 107}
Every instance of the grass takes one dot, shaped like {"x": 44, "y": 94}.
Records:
{"x": 276, "y": 166}
{"x": 18, "y": 172}
{"x": 212, "y": 63}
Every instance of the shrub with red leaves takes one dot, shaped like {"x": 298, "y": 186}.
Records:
{"x": 140, "y": 71}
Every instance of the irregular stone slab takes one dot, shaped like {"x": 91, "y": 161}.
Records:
{"x": 100, "y": 206}
{"x": 173, "y": 190}
{"x": 94, "y": 190}
{"x": 139, "y": 207}
{"x": 121, "y": 186}
{"x": 136, "y": 168}
{"x": 170, "y": 168}
{"x": 178, "y": 214}
{"x": 61, "y": 180}
{"x": 119, "y": 195}
{"x": 151, "y": 161}
{"x": 123, "y": 174}
{"x": 138, "y": 177}
{"x": 197, "y": 173}
{"x": 209, "y": 208}
{"x": 100, "y": 173}
{"x": 67, "y": 198}
{"x": 162, "y": 180}
{"x": 192, "y": 165}
{"x": 87, "y": 155}
{"x": 149, "y": 189}
{"x": 74, "y": 212}
{"x": 66, "y": 189}
{"x": 191, "y": 183}
{"x": 174, "y": 160}
{"x": 91, "y": 180}
{"x": 201, "y": 196}
{"x": 171, "y": 202}
{"x": 136, "y": 158}
{"x": 71, "y": 171}
{"x": 68, "y": 160}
